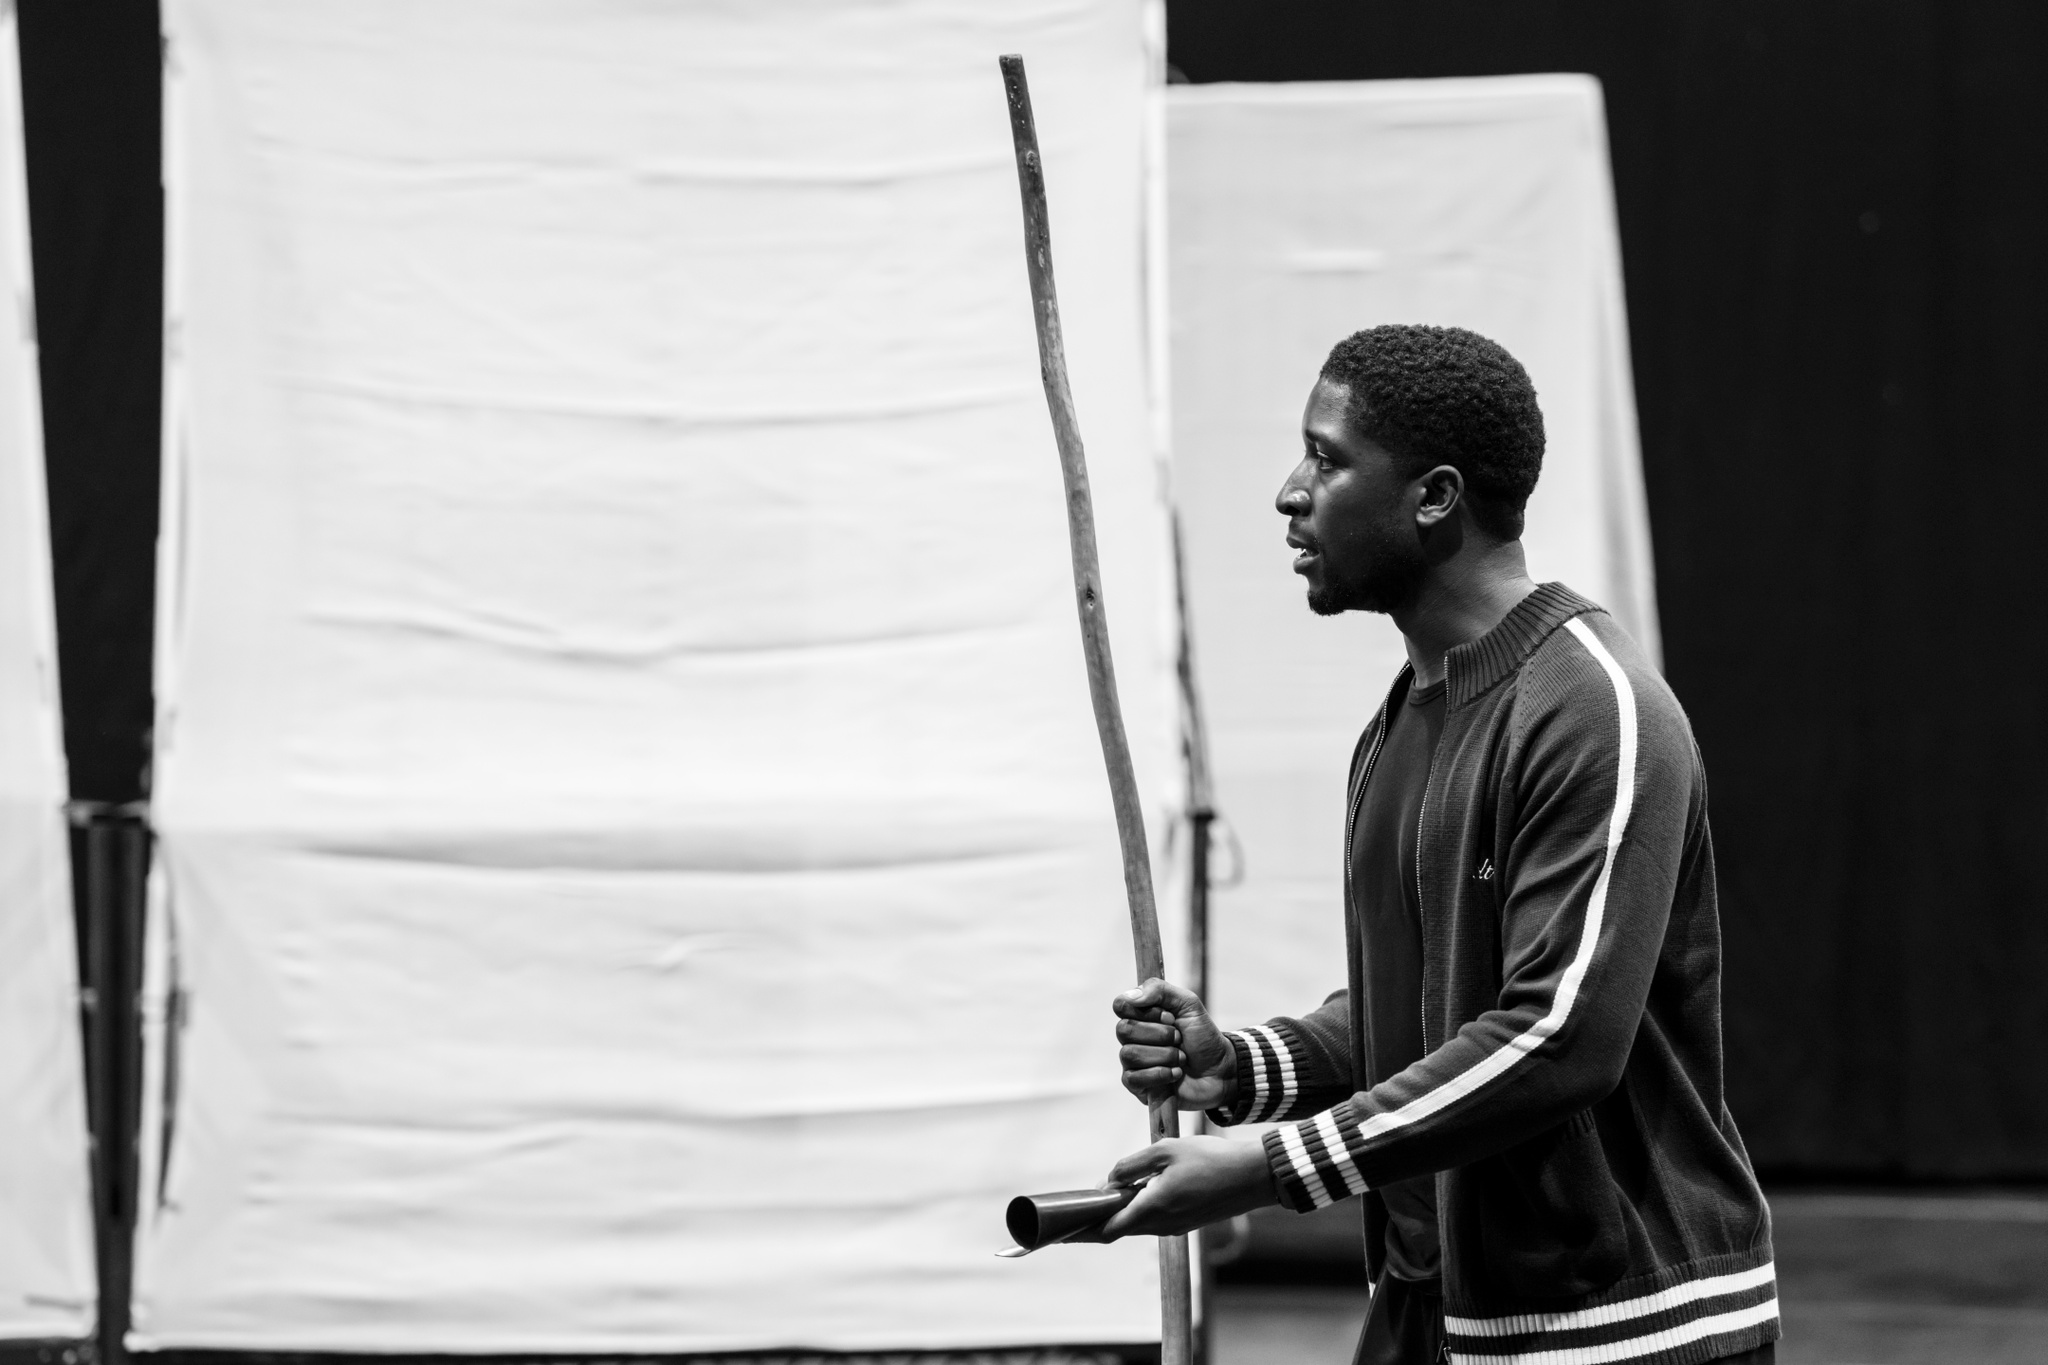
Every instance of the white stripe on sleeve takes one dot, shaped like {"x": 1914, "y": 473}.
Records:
{"x": 1261, "y": 1094}
{"x": 1304, "y": 1169}
{"x": 1340, "y": 1156}
{"x": 1286, "y": 1060}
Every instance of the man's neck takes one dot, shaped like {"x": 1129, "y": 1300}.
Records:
{"x": 1460, "y": 601}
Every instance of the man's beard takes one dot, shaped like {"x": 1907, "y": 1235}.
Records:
{"x": 1385, "y": 587}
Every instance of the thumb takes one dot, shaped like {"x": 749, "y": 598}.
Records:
{"x": 1148, "y": 1161}
{"x": 1178, "y": 999}
{"x": 1141, "y": 1002}
{"x": 1155, "y": 995}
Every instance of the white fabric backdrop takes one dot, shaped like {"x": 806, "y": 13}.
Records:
{"x": 635, "y": 867}
{"x": 46, "y": 1269}
{"x": 1299, "y": 214}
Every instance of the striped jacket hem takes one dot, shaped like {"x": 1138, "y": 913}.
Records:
{"x": 1696, "y": 1316}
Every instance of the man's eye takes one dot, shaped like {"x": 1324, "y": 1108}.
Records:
{"x": 1323, "y": 464}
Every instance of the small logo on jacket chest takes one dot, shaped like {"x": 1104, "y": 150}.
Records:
{"x": 1485, "y": 872}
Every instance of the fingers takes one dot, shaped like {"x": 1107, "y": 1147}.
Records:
{"x": 1149, "y": 1034}
{"x": 1153, "y": 1064}
{"x": 1132, "y": 1215}
{"x": 1142, "y": 1058}
{"x": 1141, "y": 1164}
{"x": 1189, "y": 1183}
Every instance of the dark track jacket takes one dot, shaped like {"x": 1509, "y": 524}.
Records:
{"x": 1594, "y": 1199}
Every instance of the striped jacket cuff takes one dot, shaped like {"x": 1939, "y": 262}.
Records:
{"x": 1311, "y": 1165}
{"x": 1269, "y": 1066}
{"x": 1239, "y": 1109}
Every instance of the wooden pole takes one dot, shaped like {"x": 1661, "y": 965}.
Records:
{"x": 1176, "y": 1308}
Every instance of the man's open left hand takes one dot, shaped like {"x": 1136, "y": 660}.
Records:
{"x": 1195, "y": 1181}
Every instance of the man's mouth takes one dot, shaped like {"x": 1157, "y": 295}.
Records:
{"x": 1306, "y": 551}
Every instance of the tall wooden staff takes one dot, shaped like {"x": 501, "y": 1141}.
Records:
{"x": 1175, "y": 1309}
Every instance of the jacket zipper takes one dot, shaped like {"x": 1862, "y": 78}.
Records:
{"x": 1372, "y": 756}
{"x": 1422, "y": 809}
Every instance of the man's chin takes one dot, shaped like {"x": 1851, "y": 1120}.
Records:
{"x": 1386, "y": 597}
{"x": 1324, "y": 602}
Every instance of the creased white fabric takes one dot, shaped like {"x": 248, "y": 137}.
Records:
{"x": 1299, "y": 214}
{"x": 47, "y": 1286}
{"x": 636, "y": 870}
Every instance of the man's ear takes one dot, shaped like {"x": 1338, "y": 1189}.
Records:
{"x": 1443, "y": 488}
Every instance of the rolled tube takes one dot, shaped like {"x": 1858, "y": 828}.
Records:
{"x": 1041, "y": 1220}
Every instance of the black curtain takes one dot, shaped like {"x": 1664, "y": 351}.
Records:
{"x": 1833, "y": 221}
{"x": 1832, "y": 218}
{"x": 90, "y": 94}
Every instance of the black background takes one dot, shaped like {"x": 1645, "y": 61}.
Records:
{"x": 1832, "y": 217}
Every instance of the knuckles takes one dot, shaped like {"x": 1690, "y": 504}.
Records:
{"x": 1156, "y": 1035}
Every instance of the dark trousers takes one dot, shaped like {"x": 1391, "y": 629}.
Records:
{"x": 1405, "y": 1326}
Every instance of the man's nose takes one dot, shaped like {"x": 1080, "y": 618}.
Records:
{"x": 1293, "y": 498}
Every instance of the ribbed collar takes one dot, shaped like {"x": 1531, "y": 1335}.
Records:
{"x": 1473, "y": 668}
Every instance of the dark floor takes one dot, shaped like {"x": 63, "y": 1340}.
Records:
{"x": 1865, "y": 1279}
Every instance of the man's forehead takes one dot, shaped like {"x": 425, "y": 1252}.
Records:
{"x": 1327, "y": 417}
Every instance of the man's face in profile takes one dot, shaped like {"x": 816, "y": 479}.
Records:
{"x": 1350, "y": 509}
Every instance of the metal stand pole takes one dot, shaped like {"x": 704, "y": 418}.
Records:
{"x": 115, "y": 865}
{"x": 1199, "y": 820}
{"x": 1201, "y": 816}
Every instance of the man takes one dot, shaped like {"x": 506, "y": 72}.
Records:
{"x": 1523, "y": 1077}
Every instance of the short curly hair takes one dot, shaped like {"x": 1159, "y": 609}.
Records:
{"x": 1443, "y": 395}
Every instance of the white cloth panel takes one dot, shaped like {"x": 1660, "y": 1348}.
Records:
{"x": 1300, "y": 214}
{"x": 46, "y": 1268}
{"x": 637, "y": 869}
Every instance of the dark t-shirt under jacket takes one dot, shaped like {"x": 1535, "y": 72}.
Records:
{"x": 1389, "y": 930}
